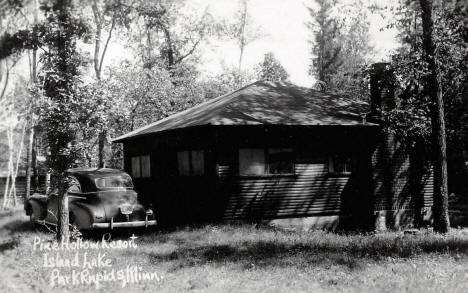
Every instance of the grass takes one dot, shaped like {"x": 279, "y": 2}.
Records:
{"x": 248, "y": 258}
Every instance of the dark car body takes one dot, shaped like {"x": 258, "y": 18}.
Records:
{"x": 97, "y": 198}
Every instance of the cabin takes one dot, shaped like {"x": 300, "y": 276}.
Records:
{"x": 274, "y": 152}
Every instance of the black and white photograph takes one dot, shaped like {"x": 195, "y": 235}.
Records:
{"x": 233, "y": 146}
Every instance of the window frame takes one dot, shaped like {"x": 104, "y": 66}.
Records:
{"x": 332, "y": 165}
{"x": 73, "y": 182}
{"x": 265, "y": 164}
{"x": 141, "y": 174}
{"x": 192, "y": 172}
{"x": 266, "y": 157}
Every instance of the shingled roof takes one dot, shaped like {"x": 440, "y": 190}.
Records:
{"x": 264, "y": 103}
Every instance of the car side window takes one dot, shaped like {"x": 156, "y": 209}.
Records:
{"x": 74, "y": 185}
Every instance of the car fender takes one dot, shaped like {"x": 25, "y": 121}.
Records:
{"x": 86, "y": 214}
{"x": 38, "y": 206}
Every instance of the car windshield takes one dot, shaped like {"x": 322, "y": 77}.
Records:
{"x": 114, "y": 182}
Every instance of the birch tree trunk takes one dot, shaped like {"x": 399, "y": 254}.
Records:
{"x": 10, "y": 168}
{"x": 29, "y": 154}
{"x": 14, "y": 175}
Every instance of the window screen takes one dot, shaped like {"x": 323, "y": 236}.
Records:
{"x": 145, "y": 166}
{"x": 141, "y": 166}
{"x": 251, "y": 162}
{"x": 198, "y": 163}
{"x": 280, "y": 161}
{"x": 136, "y": 169}
{"x": 183, "y": 163}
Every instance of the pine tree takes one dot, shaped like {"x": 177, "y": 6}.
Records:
{"x": 270, "y": 69}
{"x": 326, "y": 46}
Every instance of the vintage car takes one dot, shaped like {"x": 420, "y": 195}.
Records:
{"x": 97, "y": 198}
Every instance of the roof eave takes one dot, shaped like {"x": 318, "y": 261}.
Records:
{"x": 124, "y": 138}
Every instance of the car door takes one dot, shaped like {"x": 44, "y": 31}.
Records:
{"x": 74, "y": 192}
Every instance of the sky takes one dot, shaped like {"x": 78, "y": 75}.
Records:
{"x": 283, "y": 26}
{"x": 285, "y": 34}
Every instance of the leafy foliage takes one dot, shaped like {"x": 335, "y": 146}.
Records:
{"x": 270, "y": 69}
{"x": 326, "y": 46}
{"x": 412, "y": 116}
{"x": 341, "y": 47}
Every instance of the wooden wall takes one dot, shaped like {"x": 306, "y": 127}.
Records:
{"x": 311, "y": 191}
{"x": 224, "y": 195}
{"x": 402, "y": 182}
{"x": 21, "y": 185}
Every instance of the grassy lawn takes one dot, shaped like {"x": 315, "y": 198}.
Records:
{"x": 249, "y": 259}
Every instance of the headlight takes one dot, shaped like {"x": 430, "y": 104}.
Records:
{"x": 149, "y": 211}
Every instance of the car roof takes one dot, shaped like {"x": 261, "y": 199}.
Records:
{"x": 86, "y": 176}
{"x": 94, "y": 171}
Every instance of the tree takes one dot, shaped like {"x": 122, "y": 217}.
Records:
{"x": 431, "y": 66}
{"x": 434, "y": 90}
{"x": 340, "y": 47}
{"x": 14, "y": 125}
{"x": 14, "y": 17}
{"x": 104, "y": 14}
{"x": 31, "y": 117}
{"x": 243, "y": 32}
{"x": 270, "y": 69}
{"x": 420, "y": 86}
{"x": 326, "y": 45}
{"x": 58, "y": 78}
{"x": 165, "y": 34}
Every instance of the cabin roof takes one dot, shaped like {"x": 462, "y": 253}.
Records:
{"x": 264, "y": 103}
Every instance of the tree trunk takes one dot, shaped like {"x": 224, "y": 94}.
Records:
{"x": 29, "y": 160}
{"x": 29, "y": 153}
{"x": 63, "y": 232}
{"x": 35, "y": 172}
{"x": 440, "y": 205}
{"x": 18, "y": 161}
{"x": 6, "y": 195}
{"x": 47, "y": 183}
{"x": 97, "y": 39}
{"x": 102, "y": 141}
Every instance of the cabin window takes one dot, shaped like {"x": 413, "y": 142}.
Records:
{"x": 136, "y": 170}
{"x": 339, "y": 164}
{"x": 73, "y": 185}
{"x": 280, "y": 161}
{"x": 251, "y": 161}
{"x": 191, "y": 163}
{"x": 141, "y": 166}
{"x": 266, "y": 161}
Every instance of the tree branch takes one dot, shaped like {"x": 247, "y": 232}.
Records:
{"x": 109, "y": 36}
{"x": 7, "y": 77}
{"x": 190, "y": 52}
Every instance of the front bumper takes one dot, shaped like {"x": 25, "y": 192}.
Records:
{"x": 111, "y": 225}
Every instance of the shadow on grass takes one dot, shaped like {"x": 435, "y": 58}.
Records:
{"x": 352, "y": 255}
{"x": 18, "y": 226}
{"x": 9, "y": 244}
{"x": 255, "y": 255}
